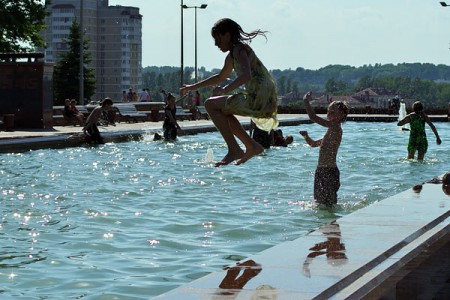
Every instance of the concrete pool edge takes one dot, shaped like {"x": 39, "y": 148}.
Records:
{"x": 352, "y": 258}
{"x": 22, "y": 141}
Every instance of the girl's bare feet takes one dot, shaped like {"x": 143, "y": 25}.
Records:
{"x": 229, "y": 158}
{"x": 255, "y": 149}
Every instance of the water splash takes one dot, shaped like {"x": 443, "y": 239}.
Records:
{"x": 209, "y": 158}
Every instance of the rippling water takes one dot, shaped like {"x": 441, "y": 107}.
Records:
{"x": 133, "y": 220}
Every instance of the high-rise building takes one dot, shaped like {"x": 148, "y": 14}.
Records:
{"x": 115, "y": 42}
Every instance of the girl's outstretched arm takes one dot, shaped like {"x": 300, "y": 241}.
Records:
{"x": 213, "y": 80}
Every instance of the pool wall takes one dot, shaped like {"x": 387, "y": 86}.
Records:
{"x": 397, "y": 248}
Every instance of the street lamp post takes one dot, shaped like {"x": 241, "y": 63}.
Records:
{"x": 203, "y": 6}
{"x": 445, "y": 5}
{"x": 182, "y": 62}
{"x": 81, "y": 83}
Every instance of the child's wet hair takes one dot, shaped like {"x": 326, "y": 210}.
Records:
{"x": 343, "y": 107}
{"x": 107, "y": 101}
{"x": 170, "y": 96}
{"x": 417, "y": 106}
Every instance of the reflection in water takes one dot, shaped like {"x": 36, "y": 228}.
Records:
{"x": 332, "y": 248}
{"x": 445, "y": 181}
{"x": 16, "y": 260}
{"x": 232, "y": 280}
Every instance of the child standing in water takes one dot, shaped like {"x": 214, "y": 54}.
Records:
{"x": 417, "y": 136}
{"x": 327, "y": 177}
{"x": 258, "y": 100}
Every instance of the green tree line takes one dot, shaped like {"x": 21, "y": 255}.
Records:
{"x": 423, "y": 81}
{"x": 21, "y": 22}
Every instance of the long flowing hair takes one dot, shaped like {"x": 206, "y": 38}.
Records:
{"x": 238, "y": 35}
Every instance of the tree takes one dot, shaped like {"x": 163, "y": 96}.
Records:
{"x": 281, "y": 85}
{"x": 66, "y": 75}
{"x": 21, "y": 22}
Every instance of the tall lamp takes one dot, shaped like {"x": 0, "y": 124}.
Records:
{"x": 203, "y": 6}
{"x": 81, "y": 75}
{"x": 182, "y": 62}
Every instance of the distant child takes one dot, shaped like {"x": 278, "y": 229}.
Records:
{"x": 417, "y": 136}
{"x": 327, "y": 177}
{"x": 90, "y": 129}
{"x": 170, "y": 125}
{"x": 259, "y": 100}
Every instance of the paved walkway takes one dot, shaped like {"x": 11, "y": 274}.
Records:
{"x": 157, "y": 126}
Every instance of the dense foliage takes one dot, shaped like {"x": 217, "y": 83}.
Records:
{"x": 66, "y": 75}
{"x": 21, "y": 21}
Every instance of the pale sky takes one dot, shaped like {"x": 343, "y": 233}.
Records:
{"x": 303, "y": 33}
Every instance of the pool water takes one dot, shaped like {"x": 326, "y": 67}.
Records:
{"x": 134, "y": 220}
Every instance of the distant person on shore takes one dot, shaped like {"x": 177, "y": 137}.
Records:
{"x": 144, "y": 96}
{"x": 327, "y": 176}
{"x": 90, "y": 130}
{"x": 417, "y": 136}
{"x": 259, "y": 100}
{"x": 72, "y": 112}
{"x": 170, "y": 125}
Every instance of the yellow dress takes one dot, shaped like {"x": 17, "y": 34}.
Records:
{"x": 259, "y": 99}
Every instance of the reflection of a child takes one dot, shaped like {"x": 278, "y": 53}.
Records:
{"x": 332, "y": 248}
{"x": 232, "y": 280}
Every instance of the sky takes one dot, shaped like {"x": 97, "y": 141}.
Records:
{"x": 310, "y": 34}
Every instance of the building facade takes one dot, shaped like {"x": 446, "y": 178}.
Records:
{"x": 115, "y": 42}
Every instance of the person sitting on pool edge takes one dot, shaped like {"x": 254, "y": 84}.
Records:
{"x": 90, "y": 129}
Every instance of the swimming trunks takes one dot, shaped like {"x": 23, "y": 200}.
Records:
{"x": 326, "y": 185}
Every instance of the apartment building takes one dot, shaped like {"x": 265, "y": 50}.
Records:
{"x": 115, "y": 42}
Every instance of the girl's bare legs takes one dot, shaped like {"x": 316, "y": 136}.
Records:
{"x": 252, "y": 147}
{"x": 214, "y": 106}
{"x": 411, "y": 154}
{"x": 229, "y": 126}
